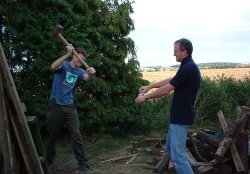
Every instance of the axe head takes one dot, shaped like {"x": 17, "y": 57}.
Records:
{"x": 56, "y": 31}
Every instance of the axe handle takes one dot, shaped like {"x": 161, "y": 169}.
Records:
{"x": 82, "y": 61}
{"x": 74, "y": 52}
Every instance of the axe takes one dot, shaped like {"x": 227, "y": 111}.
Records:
{"x": 56, "y": 33}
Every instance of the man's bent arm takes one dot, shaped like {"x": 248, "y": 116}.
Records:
{"x": 160, "y": 83}
{"x": 163, "y": 90}
{"x": 58, "y": 62}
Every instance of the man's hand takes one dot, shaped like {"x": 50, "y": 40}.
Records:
{"x": 91, "y": 71}
{"x": 144, "y": 89}
{"x": 141, "y": 99}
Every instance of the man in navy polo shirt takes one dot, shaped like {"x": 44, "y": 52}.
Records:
{"x": 185, "y": 85}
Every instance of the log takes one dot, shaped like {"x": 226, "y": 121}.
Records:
{"x": 242, "y": 146}
{"x": 203, "y": 138}
{"x": 223, "y": 123}
{"x": 162, "y": 165}
{"x": 223, "y": 147}
{"x": 236, "y": 158}
{"x": 120, "y": 158}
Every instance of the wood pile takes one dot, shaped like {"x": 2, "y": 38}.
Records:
{"x": 18, "y": 151}
{"x": 208, "y": 151}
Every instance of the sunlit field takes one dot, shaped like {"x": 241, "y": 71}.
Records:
{"x": 237, "y": 73}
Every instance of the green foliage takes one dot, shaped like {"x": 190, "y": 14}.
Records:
{"x": 220, "y": 94}
{"x": 101, "y": 27}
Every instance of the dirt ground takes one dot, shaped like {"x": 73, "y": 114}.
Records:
{"x": 104, "y": 147}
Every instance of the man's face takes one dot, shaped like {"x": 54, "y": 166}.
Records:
{"x": 77, "y": 61}
{"x": 178, "y": 53}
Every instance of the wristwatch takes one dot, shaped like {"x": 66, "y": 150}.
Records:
{"x": 146, "y": 97}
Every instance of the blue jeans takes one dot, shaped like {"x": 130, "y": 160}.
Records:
{"x": 175, "y": 145}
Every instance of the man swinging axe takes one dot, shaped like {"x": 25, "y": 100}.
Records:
{"x": 61, "y": 108}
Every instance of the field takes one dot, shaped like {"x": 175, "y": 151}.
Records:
{"x": 237, "y": 73}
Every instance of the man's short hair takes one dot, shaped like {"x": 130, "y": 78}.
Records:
{"x": 82, "y": 51}
{"x": 185, "y": 44}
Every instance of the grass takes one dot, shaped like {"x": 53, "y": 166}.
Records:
{"x": 102, "y": 147}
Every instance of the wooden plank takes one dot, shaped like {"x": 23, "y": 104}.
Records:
{"x": 25, "y": 142}
{"x": 5, "y": 135}
{"x": 34, "y": 128}
{"x": 236, "y": 157}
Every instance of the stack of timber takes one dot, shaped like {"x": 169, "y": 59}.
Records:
{"x": 18, "y": 151}
{"x": 227, "y": 148}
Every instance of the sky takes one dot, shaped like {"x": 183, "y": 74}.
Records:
{"x": 218, "y": 29}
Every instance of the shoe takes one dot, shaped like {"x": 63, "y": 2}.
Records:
{"x": 86, "y": 168}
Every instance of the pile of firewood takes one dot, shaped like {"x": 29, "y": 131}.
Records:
{"x": 208, "y": 150}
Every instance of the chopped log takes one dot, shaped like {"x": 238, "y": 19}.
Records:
{"x": 119, "y": 158}
{"x": 223, "y": 147}
{"x": 206, "y": 168}
{"x": 162, "y": 165}
{"x": 236, "y": 158}
{"x": 212, "y": 142}
{"x": 223, "y": 123}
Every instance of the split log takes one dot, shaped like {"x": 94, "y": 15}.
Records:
{"x": 236, "y": 158}
{"x": 223, "y": 147}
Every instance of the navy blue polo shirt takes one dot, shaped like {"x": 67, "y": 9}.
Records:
{"x": 186, "y": 83}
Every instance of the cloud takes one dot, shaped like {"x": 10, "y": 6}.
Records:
{"x": 218, "y": 29}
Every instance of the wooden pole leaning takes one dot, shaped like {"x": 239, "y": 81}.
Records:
{"x": 21, "y": 129}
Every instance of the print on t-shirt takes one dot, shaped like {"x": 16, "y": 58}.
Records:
{"x": 70, "y": 80}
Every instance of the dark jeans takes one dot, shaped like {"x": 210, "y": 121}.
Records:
{"x": 57, "y": 116}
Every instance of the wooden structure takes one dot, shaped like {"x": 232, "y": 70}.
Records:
{"x": 232, "y": 147}
{"x": 18, "y": 152}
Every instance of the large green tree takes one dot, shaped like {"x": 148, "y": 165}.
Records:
{"x": 101, "y": 27}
